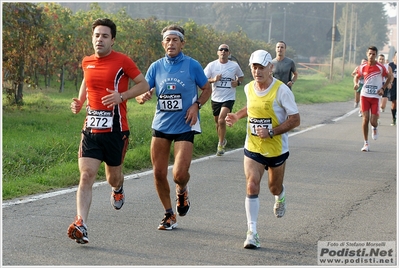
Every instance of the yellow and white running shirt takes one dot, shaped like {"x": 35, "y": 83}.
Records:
{"x": 269, "y": 109}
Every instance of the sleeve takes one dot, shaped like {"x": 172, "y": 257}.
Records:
{"x": 293, "y": 66}
{"x": 207, "y": 71}
{"x": 239, "y": 72}
{"x": 287, "y": 100}
{"x": 359, "y": 71}
{"x": 150, "y": 75}
{"x": 199, "y": 75}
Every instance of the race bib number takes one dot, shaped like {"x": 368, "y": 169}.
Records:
{"x": 98, "y": 119}
{"x": 224, "y": 83}
{"x": 369, "y": 89}
{"x": 170, "y": 102}
{"x": 254, "y": 123}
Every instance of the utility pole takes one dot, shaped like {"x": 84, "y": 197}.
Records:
{"x": 270, "y": 27}
{"x": 332, "y": 43}
{"x": 284, "y": 24}
{"x": 350, "y": 36}
{"x": 344, "y": 46}
{"x": 354, "y": 45}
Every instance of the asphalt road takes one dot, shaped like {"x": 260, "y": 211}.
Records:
{"x": 334, "y": 192}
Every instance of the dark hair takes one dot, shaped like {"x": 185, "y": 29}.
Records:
{"x": 285, "y": 45}
{"x": 173, "y": 27}
{"x": 381, "y": 55}
{"x": 373, "y": 48}
{"x": 105, "y": 22}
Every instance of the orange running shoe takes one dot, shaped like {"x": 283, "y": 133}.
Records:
{"x": 78, "y": 231}
{"x": 117, "y": 199}
{"x": 169, "y": 222}
{"x": 182, "y": 202}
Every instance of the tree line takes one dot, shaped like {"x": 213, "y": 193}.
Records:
{"x": 46, "y": 40}
{"x": 302, "y": 25}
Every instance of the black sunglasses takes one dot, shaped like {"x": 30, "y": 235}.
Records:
{"x": 224, "y": 49}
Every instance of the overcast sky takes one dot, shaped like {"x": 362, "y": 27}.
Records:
{"x": 392, "y": 12}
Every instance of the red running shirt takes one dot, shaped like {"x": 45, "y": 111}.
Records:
{"x": 373, "y": 79}
{"x": 112, "y": 72}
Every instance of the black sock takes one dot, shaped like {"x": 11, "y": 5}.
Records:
{"x": 119, "y": 190}
{"x": 393, "y": 114}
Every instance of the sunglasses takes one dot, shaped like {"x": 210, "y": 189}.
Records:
{"x": 224, "y": 49}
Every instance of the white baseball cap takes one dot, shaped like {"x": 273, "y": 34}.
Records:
{"x": 261, "y": 57}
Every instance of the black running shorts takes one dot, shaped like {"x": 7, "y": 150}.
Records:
{"x": 108, "y": 147}
{"x": 267, "y": 161}
{"x": 217, "y": 106}
{"x": 187, "y": 136}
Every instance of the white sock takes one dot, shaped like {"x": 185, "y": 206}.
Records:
{"x": 252, "y": 211}
{"x": 281, "y": 195}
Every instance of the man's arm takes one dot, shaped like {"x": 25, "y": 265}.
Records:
{"x": 114, "y": 98}
{"x": 191, "y": 115}
{"x": 77, "y": 103}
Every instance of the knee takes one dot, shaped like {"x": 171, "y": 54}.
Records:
{"x": 160, "y": 174}
{"x": 87, "y": 179}
{"x": 221, "y": 121}
{"x": 253, "y": 188}
{"x": 275, "y": 189}
{"x": 181, "y": 177}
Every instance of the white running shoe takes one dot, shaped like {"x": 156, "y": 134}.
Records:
{"x": 365, "y": 147}
{"x": 252, "y": 240}
{"x": 374, "y": 133}
{"x": 279, "y": 207}
{"x": 221, "y": 148}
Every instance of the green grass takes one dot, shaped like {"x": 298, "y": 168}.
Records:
{"x": 41, "y": 137}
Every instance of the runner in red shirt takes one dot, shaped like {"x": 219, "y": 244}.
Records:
{"x": 105, "y": 131}
{"x": 373, "y": 88}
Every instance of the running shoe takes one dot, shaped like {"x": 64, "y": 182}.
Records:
{"x": 374, "y": 133}
{"x": 117, "y": 199}
{"x": 393, "y": 123}
{"x": 182, "y": 202}
{"x": 78, "y": 231}
{"x": 355, "y": 104}
{"x": 279, "y": 207}
{"x": 169, "y": 222}
{"x": 365, "y": 147}
{"x": 221, "y": 150}
{"x": 360, "y": 113}
{"x": 252, "y": 241}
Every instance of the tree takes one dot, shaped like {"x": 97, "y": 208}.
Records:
{"x": 371, "y": 30}
{"x": 22, "y": 23}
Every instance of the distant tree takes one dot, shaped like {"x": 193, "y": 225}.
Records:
{"x": 372, "y": 28}
{"x": 22, "y": 28}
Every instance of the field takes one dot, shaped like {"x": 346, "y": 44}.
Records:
{"x": 40, "y": 138}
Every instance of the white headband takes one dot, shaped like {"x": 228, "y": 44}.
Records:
{"x": 179, "y": 34}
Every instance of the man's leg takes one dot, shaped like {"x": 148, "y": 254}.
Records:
{"x": 183, "y": 155}
{"x": 88, "y": 168}
{"x": 253, "y": 175}
{"x": 276, "y": 187}
{"x": 160, "y": 149}
{"x": 222, "y": 124}
{"x": 115, "y": 178}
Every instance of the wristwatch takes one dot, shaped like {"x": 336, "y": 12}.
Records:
{"x": 271, "y": 133}
{"x": 199, "y": 104}
{"x": 238, "y": 82}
